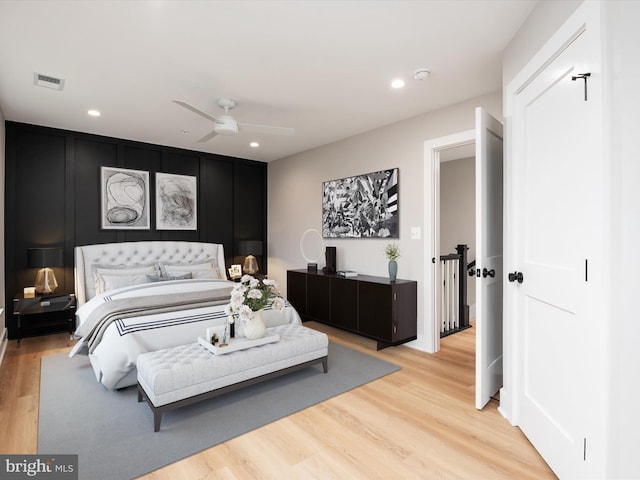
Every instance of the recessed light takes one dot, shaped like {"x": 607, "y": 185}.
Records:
{"x": 184, "y": 132}
{"x": 254, "y": 144}
{"x": 397, "y": 83}
{"x": 94, "y": 113}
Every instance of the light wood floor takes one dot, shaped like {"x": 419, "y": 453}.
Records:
{"x": 418, "y": 423}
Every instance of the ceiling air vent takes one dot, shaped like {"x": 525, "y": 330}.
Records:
{"x": 48, "y": 81}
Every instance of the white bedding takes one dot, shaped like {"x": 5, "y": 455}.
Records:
{"x": 114, "y": 358}
{"x": 140, "y": 265}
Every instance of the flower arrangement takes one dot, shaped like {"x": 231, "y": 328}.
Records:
{"x": 251, "y": 295}
{"x": 392, "y": 251}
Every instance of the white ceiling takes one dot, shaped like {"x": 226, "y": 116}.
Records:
{"x": 322, "y": 67}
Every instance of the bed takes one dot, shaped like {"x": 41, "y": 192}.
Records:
{"x": 139, "y": 297}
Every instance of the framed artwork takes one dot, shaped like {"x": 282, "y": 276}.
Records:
{"x": 176, "y": 202}
{"x": 235, "y": 271}
{"x": 364, "y": 206}
{"x": 124, "y": 198}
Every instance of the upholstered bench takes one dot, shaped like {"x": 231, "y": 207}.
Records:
{"x": 179, "y": 376}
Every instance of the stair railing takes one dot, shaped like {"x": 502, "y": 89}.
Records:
{"x": 453, "y": 292}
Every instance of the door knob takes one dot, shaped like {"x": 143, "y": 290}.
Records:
{"x": 488, "y": 273}
{"x": 516, "y": 276}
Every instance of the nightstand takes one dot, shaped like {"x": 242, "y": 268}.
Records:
{"x": 44, "y": 314}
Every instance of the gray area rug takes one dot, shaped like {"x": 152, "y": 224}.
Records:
{"x": 113, "y": 434}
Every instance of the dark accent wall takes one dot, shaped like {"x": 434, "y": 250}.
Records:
{"x": 53, "y": 197}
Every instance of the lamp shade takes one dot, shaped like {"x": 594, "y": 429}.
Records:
{"x": 250, "y": 247}
{"x": 45, "y": 257}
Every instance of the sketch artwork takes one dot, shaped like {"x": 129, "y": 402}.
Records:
{"x": 124, "y": 199}
{"x": 176, "y": 202}
{"x": 361, "y": 206}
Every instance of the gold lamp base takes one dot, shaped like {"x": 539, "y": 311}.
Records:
{"x": 250, "y": 265}
{"x": 46, "y": 281}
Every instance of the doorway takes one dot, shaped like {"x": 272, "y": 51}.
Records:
{"x": 489, "y": 187}
{"x": 457, "y": 227}
{"x": 435, "y": 151}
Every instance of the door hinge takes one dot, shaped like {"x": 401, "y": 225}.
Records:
{"x": 586, "y": 270}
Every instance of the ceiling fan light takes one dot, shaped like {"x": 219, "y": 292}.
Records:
{"x": 225, "y": 129}
{"x": 226, "y": 125}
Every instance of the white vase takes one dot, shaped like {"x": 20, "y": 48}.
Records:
{"x": 255, "y": 327}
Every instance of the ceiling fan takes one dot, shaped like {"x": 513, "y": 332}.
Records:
{"x": 226, "y": 125}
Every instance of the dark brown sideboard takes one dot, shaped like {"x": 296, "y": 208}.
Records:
{"x": 370, "y": 306}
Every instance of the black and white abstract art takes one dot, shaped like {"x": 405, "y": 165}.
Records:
{"x": 124, "y": 199}
{"x": 361, "y": 206}
{"x": 176, "y": 202}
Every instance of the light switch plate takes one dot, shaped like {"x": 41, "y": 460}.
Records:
{"x": 415, "y": 233}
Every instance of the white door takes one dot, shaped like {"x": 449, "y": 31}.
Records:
{"x": 489, "y": 194}
{"x": 557, "y": 199}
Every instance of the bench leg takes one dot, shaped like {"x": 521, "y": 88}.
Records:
{"x": 325, "y": 365}
{"x": 157, "y": 414}
{"x": 157, "y": 418}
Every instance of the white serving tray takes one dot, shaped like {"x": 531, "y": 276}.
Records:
{"x": 235, "y": 344}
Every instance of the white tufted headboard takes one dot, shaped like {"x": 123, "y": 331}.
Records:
{"x": 138, "y": 253}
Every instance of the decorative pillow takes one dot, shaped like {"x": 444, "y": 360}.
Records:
{"x": 127, "y": 269}
{"x": 184, "y": 276}
{"x": 100, "y": 271}
{"x": 204, "y": 269}
{"x": 162, "y": 278}
{"x": 106, "y": 282}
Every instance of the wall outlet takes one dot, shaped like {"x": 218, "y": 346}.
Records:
{"x": 416, "y": 233}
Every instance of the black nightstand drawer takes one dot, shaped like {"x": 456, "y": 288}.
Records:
{"x": 44, "y": 314}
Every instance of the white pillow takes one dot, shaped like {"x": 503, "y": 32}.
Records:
{"x": 161, "y": 278}
{"x": 99, "y": 271}
{"x": 206, "y": 269}
{"x": 106, "y": 282}
{"x": 182, "y": 276}
{"x": 126, "y": 269}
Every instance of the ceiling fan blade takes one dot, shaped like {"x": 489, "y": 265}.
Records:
{"x": 195, "y": 110}
{"x": 208, "y": 136}
{"x": 271, "y": 130}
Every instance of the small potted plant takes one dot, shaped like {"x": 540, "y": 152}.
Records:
{"x": 392, "y": 252}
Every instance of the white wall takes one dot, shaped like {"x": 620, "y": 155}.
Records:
{"x": 295, "y": 192}
{"x": 542, "y": 23}
{"x": 458, "y": 211}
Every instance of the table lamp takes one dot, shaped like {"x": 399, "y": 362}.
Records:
{"x": 250, "y": 248}
{"x": 44, "y": 259}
